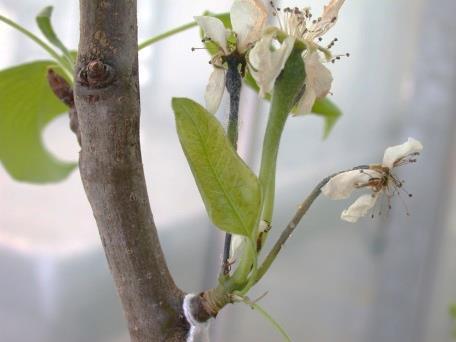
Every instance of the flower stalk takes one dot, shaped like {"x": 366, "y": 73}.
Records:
{"x": 288, "y": 88}
{"x": 233, "y": 84}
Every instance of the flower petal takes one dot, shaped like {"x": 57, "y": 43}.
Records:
{"x": 237, "y": 244}
{"x": 395, "y": 153}
{"x": 214, "y": 29}
{"x": 318, "y": 82}
{"x": 215, "y": 89}
{"x": 248, "y": 18}
{"x": 265, "y": 64}
{"x": 306, "y": 102}
{"x": 328, "y": 19}
{"x": 343, "y": 184}
{"x": 360, "y": 207}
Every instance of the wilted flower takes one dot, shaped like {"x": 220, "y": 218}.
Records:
{"x": 297, "y": 25}
{"x": 378, "y": 178}
{"x": 248, "y": 18}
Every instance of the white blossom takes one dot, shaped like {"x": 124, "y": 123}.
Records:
{"x": 248, "y": 18}
{"x": 299, "y": 25}
{"x": 377, "y": 178}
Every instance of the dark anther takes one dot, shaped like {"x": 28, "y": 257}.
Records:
{"x": 96, "y": 74}
{"x": 410, "y": 195}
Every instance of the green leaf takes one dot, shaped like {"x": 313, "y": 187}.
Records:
{"x": 229, "y": 189}
{"x": 27, "y": 105}
{"x": 322, "y": 107}
{"x": 43, "y": 19}
{"x": 329, "y": 111}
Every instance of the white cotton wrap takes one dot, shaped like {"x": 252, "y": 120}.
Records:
{"x": 199, "y": 331}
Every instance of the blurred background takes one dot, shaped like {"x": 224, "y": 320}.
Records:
{"x": 391, "y": 278}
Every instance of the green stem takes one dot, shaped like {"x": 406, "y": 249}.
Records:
{"x": 276, "y": 123}
{"x": 247, "y": 265}
{"x": 179, "y": 29}
{"x": 40, "y": 42}
{"x": 302, "y": 210}
{"x": 265, "y": 314}
{"x": 287, "y": 90}
{"x": 165, "y": 35}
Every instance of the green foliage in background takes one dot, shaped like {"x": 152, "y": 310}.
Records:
{"x": 27, "y": 105}
{"x": 453, "y": 315}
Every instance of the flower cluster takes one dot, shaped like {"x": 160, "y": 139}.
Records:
{"x": 377, "y": 178}
{"x": 297, "y": 26}
{"x": 248, "y": 18}
{"x": 267, "y": 48}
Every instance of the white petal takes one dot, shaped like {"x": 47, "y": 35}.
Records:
{"x": 343, "y": 184}
{"x": 360, "y": 207}
{"x": 318, "y": 76}
{"x": 306, "y": 102}
{"x": 266, "y": 64}
{"x": 214, "y": 90}
{"x": 318, "y": 82}
{"x": 237, "y": 244}
{"x": 248, "y": 18}
{"x": 214, "y": 29}
{"x": 394, "y": 153}
{"x": 263, "y": 226}
{"x": 328, "y": 19}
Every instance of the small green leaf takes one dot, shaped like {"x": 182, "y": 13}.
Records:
{"x": 229, "y": 189}
{"x": 43, "y": 19}
{"x": 27, "y": 105}
{"x": 329, "y": 111}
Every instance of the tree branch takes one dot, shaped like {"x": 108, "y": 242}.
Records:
{"x": 233, "y": 85}
{"x": 107, "y": 103}
{"x": 302, "y": 210}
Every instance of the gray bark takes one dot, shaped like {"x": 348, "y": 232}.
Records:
{"x": 108, "y": 107}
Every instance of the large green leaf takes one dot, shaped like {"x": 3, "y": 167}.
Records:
{"x": 27, "y": 105}
{"x": 230, "y": 190}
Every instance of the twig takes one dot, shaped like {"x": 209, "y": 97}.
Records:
{"x": 233, "y": 86}
{"x": 302, "y": 210}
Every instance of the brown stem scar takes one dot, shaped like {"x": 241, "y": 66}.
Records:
{"x": 96, "y": 74}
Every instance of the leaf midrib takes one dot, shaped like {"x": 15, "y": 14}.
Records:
{"x": 216, "y": 176}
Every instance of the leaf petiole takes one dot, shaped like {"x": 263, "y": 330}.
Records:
{"x": 264, "y": 313}
{"x": 164, "y": 35}
{"x": 60, "y": 60}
